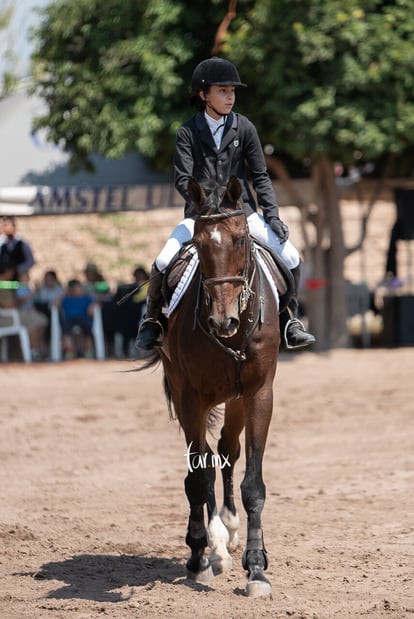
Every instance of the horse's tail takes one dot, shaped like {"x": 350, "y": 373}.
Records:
{"x": 215, "y": 417}
{"x": 168, "y": 395}
{"x": 150, "y": 360}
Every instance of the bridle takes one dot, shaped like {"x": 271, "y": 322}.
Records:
{"x": 237, "y": 279}
{"x": 248, "y": 299}
{"x": 246, "y": 295}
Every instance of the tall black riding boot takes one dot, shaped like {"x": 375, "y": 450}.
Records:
{"x": 150, "y": 330}
{"x": 294, "y": 333}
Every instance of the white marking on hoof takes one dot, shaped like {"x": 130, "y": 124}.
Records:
{"x": 258, "y": 588}
{"x": 220, "y": 564}
{"x": 232, "y": 523}
{"x": 218, "y": 539}
{"x": 203, "y": 577}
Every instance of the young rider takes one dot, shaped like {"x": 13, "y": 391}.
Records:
{"x": 218, "y": 143}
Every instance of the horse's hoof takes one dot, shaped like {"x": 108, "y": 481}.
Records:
{"x": 221, "y": 564}
{"x": 258, "y": 588}
{"x": 203, "y": 577}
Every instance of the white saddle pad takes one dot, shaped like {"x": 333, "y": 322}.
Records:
{"x": 189, "y": 274}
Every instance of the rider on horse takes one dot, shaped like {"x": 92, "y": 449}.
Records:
{"x": 218, "y": 143}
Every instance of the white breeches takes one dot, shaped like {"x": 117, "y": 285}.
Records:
{"x": 258, "y": 228}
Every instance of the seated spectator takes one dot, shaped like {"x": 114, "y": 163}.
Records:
{"x": 76, "y": 312}
{"x": 48, "y": 293}
{"x": 128, "y": 314}
{"x": 100, "y": 291}
{"x": 30, "y": 317}
{"x": 7, "y": 298}
{"x": 95, "y": 284}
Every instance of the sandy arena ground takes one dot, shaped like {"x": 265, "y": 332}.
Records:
{"x": 93, "y": 512}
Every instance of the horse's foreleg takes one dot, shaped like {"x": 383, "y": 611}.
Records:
{"x": 196, "y": 488}
{"x": 258, "y": 415}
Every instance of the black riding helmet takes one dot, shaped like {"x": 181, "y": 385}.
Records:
{"x": 214, "y": 71}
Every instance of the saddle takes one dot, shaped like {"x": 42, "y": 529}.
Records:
{"x": 273, "y": 265}
{"x": 176, "y": 269}
{"x": 281, "y": 275}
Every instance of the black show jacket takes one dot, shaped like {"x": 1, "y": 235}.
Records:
{"x": 240, "y": 154}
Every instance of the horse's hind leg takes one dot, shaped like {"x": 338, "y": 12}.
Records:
{"x": 258, "y": 415}
{"x": 217, "y": 533}
{"x": 229, "y": 450}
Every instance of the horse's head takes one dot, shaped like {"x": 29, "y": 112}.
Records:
{"x": 223, "y": 245}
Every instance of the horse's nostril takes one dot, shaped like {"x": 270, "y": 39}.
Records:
{"x": 225, "y": 328}
{"x": 212, "y": 323}
{"x": 233, "y": 324}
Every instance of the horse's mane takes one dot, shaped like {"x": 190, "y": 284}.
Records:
{"x": 214, "y": 202}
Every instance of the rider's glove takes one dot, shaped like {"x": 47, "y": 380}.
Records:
{"x": 279, "y": 228}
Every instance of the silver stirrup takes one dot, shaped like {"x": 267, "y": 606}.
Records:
{"x": 288, "y": 346}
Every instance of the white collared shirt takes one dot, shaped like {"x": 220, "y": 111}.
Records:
{"x": 216, "y": 128}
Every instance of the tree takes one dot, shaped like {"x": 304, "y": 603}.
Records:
{"x": 334, "y": 82}
{"x": 328, "y": 81}
{"x": 115, "y": 73}
{"x": 8, "y": 80}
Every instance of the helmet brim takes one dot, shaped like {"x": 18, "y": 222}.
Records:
{"x": 240, "y": 84}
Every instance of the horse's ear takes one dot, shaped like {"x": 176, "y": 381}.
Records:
{"x": 195, "y": 192}
{"x": 234, "y": 189}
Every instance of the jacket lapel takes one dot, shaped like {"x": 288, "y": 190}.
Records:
{"x": 204, "y": 132}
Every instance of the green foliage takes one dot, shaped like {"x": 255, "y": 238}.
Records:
{"x": 115, "y": 73}
{"x": 8, "y": 81}
{"x": 325, "y": 77}
{"x": 329, "y": 77}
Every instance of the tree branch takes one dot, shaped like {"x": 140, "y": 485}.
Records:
{"x": 374, "y": 197}
{"x": 222, "y": 29}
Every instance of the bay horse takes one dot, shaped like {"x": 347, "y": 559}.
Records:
{"x": 221, "y": 347}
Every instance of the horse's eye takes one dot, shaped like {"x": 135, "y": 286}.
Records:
{"x": 241, "y": 242}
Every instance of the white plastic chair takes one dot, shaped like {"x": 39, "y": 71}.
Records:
{"x": 56, "y": 334}
{"x": 15, "y": 328}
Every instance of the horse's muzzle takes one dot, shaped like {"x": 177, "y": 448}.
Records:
{"x": 226, "y": 327}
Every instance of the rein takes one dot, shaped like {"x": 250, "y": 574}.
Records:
{"x": 239, "y": 279}
{"x": 247, "y": 295}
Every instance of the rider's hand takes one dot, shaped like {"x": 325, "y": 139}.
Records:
{"x": 279, "y": 228}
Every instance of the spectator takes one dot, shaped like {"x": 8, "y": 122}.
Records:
{"x": 76, "y": 312}
{"x": 391, "y": 279}
{"x": 95, "y": 283}
{"x": 100, "y": 291}
{"x": 403, "y": 229}
{"x": 16, "y": 255}
{"x": 30, "y": 317}
{"x": 126, "y": 316}
{"x": 47, "y": 294}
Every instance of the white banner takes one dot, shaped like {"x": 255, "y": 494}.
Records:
{"x": 86, "y": 199}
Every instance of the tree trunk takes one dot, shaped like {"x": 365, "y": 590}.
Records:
{"x": 324, "y": 254}
{"x": 335, "y": 300}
